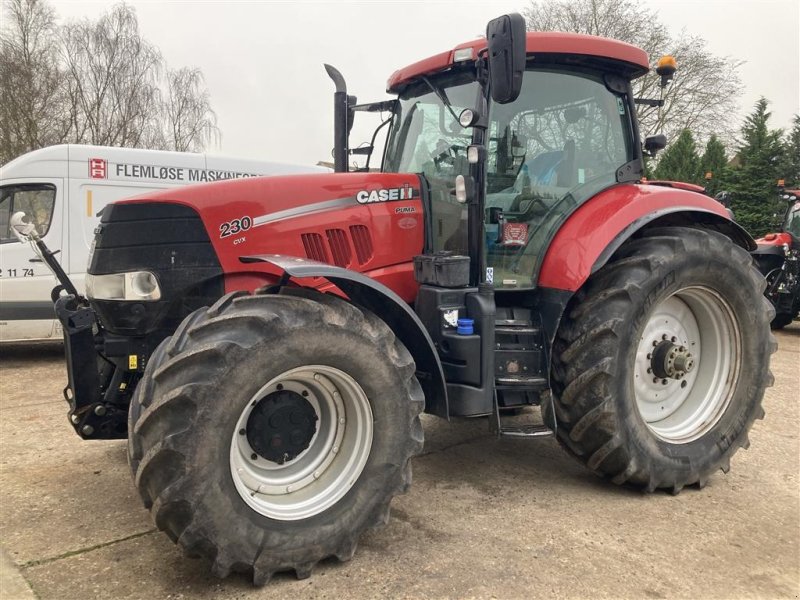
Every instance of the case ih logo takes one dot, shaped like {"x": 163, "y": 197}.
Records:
{"x": 97, "y": 168}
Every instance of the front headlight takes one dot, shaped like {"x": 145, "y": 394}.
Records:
{"x": 139, "y": 285}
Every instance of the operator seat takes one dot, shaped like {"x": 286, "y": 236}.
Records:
{"x": 565, "y": 170}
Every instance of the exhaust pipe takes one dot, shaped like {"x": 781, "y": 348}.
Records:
{"x": 342, "y": 120}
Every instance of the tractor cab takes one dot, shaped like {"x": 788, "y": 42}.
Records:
{"x": 524, "y": 159}
{"x": 562, "y": 140}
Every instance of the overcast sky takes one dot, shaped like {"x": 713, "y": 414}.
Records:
{"x": 263, "y": 60}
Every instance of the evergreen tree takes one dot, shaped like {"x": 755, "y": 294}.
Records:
{"x": 760, "y": 155}
{"x": 790, "y": 165}
{"x": 714, "y": 166}
{"x": 680, "y": 162}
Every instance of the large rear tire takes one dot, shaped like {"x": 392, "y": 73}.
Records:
{"x": 271, "y": 430}
{"x": 661, "y": 361}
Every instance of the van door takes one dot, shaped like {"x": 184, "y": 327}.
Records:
{"x": 26, "y": 311}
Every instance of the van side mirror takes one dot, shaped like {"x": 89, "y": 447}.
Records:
{"x": 654, "y": 143}
{"x": 505, "y": 37}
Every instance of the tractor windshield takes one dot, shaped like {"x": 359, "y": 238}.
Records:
{"x": 792, "y": 225}
{"x": 426, "y": 138}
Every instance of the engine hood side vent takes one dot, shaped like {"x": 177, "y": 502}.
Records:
{"x": 340, "y": 247}
{"x": 314, "y": 246}
{"x": 362, "y": 240}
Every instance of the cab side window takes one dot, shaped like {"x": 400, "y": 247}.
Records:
{"x": 36, "y": 201}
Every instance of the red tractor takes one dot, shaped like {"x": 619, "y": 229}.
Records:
{"x": 778, "y": 258}
{"x": 267, "y": 345}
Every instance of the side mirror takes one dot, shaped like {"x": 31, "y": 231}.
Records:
{"x": 20, "y": 228}
{"x": 723, "y": 198}
{"x": 506, "y": 41}
{"x": 654, "y": 143}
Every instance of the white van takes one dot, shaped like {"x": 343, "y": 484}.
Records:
{"x": 62, "y": 189}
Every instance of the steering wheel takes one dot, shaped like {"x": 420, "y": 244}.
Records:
{"x": 447, "y": 153}
{"x": 525, "y": 207}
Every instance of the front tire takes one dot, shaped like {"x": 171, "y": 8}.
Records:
{"x": 662, "y": 359}
{"x": 272, "y": 430}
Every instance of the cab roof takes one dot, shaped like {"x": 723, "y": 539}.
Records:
{"x": 634, "y": 60}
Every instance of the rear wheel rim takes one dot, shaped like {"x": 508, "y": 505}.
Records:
{"x": 697, "y": 328}
{"x": 322, "y": 473}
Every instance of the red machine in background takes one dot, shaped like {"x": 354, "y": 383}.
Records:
{"x": 778, "y": 258}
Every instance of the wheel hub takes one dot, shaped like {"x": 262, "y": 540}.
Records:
{"x": 671, "y": 360}
{"x": 281, "y": 426}
{"x": 301, "y": 442}
{"x": 687, "y": 363}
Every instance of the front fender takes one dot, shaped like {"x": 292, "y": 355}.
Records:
{"x": 591, "y": 235}
{"x": 388, "y": 306}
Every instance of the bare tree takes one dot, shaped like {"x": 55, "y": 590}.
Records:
{"x": 188, "y": 118}
{"x": 113, "y": 80}
{"x": 703, "y": 94}
{"x": 94, "y": 82}
{"x": 32, "y": 86}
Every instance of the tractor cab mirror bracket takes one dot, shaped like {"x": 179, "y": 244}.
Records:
{"x": 505, "y": 38}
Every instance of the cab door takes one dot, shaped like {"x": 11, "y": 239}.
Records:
{"x": 26, "y": 311}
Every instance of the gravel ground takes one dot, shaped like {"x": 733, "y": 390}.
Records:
{"x": 484, "y": 518}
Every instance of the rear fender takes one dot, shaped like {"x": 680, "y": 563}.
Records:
{"x": 383, "y": 302}
{"x": 591, "y": 235}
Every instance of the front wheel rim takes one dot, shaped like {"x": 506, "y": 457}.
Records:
{"x": 323, "y": 472}
{"x": 695, "y": 329}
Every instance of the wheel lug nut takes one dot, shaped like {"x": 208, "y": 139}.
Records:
{"x": 655, "y": 379}
{"x": 663, "y": 382}
{"x": 664, "y": 337}
{"x": 649, "y": 356}
{"x": 253, "y": 456}
{"x": 649, "y": 370}
{"x": 655, "y": 343}
{"x": 683, "y": 384}
{"x": 673, "y": 339}
{"x": 242, "y": 432}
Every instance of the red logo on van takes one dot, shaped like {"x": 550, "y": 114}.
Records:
{"x": 97, "y": 168}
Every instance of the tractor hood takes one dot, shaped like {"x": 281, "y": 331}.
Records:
{"x": 368, "y": 222}
{"x": 774, "y": 240}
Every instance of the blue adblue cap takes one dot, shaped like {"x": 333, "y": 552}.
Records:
{"x": 465, "y": 327}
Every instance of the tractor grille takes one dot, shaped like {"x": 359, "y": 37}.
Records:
{"x": 170, "y": 241}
